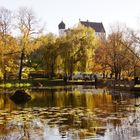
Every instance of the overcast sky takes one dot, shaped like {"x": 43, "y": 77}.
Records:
{"x": 108, "y": 12}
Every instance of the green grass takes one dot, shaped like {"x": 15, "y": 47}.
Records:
{"x": 36, "y": 82}
{"x": 27, "y": 82}
{"x": 11, "y": 85}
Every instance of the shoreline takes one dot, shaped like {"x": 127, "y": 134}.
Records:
{"x": 47, "y": 84}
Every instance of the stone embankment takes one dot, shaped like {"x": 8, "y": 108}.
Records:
{"x": 123, "y": 85}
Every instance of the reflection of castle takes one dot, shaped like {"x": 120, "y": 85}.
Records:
{"x": 97, "y": 26}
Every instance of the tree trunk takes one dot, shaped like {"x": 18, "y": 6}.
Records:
{"x": 71, "y": 70}
{"x": 52, "y": 70}
{"x": 21, "y": 65}
{"x": 119, "y": 76}
{"x": 4, "y": 76}
{"x": 135, "y": 72}
{"x": 116, "y": 75}
{"x": 4, "y": 71}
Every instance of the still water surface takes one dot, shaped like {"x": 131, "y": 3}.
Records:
{"x": 71, "y": 113}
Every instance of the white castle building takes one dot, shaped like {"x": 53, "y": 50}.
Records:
{"x": 96, "y": 26}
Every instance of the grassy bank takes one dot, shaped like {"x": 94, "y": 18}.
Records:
{"x": 42, "y": 82}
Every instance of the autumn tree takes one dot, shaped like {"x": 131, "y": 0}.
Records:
{"x": 51, "y": 49}
{"x": 132, "y": 44}
{"x": 76, "y": 49}
{"x": 6, "y": 41}
{"x": 100, "y": 58}
{"x": 117, "y": 52}
{"x": 28, "y": 29}
{"x": 36, "y": 57}
{"x": 45, "y": 56}
{"x": 127, "y": 56}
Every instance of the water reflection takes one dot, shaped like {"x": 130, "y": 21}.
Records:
{"x": 71, "y": 113}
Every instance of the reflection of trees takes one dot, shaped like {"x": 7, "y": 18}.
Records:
{"x": 127, "y": 129}
{"x": 68, "y": 98}
{"x": 5, "y": 102}
{"x": 73, "y": 123}
{"x": 19, "y": 125}
{"x": 74, "y": 114}
{"x": 61, "y": 98}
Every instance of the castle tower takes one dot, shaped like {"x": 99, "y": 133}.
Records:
{"x": 61, "y": 28}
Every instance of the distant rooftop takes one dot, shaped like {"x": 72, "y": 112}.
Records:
{"x": 97, "y": 26}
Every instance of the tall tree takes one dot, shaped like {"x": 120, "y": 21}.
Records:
{"x": 101, "y": 61}
{"x": 5, "y": 27}
{"x": 45, "y": 56}
{"x": 28, "y": 28}
{"x": 77, "y": 49}
{"x": 117, "y": 53}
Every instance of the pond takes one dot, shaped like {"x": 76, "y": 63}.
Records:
{"x": 71, "y": 113}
